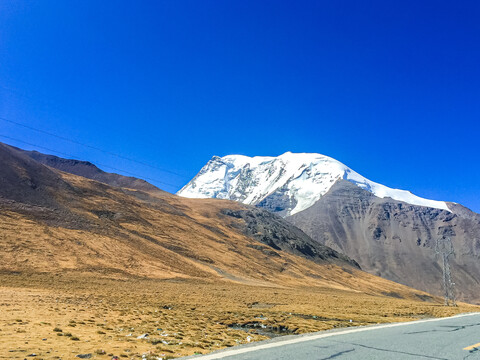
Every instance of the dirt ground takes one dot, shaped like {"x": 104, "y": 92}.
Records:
{"x": 60, "y": 317}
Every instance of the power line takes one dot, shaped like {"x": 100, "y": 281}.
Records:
{"x": 77, "y": 158}
{"x": 90, "y": 146}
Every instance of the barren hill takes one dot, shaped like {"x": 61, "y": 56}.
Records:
{"x": 88, "y": 269}
{"x": 52, "y": 221}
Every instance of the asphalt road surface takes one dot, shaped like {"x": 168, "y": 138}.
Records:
{"x": 456, "y": 337}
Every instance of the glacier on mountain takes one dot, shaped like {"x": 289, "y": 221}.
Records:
{"x": 292, "y": 182}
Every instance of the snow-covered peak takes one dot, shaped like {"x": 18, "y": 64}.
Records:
{"x": 290, "y": 182}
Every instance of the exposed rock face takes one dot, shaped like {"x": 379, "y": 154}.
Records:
{"x": 286, "y": 184}
{"x": 278, "y": 234}
{"x": 279, "y": 202}
{"x": 396, "y": 240}
{"x": 389, "y": 232}
{"x": 90, "y": 171}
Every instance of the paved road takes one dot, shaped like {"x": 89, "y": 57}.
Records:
{"x": 448, "y": 338}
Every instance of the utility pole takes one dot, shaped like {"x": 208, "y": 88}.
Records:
{"x": 444, "y": 248}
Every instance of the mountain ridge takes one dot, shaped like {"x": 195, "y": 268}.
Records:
{"x": 53, "y": 221}
{"x": 88, "y": 170}
{"x": 286, "y": 184}
{"x": 388, "y": 232}
{"x": 395, "y": 240}
{"x": 364, "y": 230}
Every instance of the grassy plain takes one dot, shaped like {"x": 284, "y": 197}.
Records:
{"x": 60, "y": 317}
{"x": 86, "y": 268}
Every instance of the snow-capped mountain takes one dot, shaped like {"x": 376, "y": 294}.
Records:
{"x": 286, "y": 184}
{"x": 389, "y": 232}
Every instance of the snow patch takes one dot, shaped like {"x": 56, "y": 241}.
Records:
{"x": 303, "y": 178}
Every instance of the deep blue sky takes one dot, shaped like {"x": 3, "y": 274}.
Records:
{"x": 390, "y": 88}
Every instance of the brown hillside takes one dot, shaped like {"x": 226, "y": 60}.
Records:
{"x": 54, "y": 222}
{"x": 86, "y": 268}
{"x": 89, "y": 170}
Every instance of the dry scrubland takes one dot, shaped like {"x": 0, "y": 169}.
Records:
{"x": 62, "y": 316}
{"x": 86, "y": 268}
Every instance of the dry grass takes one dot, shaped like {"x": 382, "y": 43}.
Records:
{"x": 62, "y": 316}
{"x": 106, "y": 265}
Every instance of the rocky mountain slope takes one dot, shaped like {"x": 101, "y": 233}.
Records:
{"x": 55, "y": 222}
{"x": 286, "y": 184}
{"x": 396, "y": 240}
{"x": 89, "y": 170}
{"x": 391, "y": 233}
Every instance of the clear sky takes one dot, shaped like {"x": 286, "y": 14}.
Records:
{"x": 390, "y": 88}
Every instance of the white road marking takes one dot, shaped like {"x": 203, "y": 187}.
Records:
{"x": 300, "y": 339}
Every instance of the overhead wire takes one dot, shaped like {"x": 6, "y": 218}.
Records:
{"x": 91, "y": 147}
{"x": 96, "y": 164}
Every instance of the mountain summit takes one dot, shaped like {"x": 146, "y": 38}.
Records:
{"x": 287, "y": 184}
{"x": 388, "y": 232}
